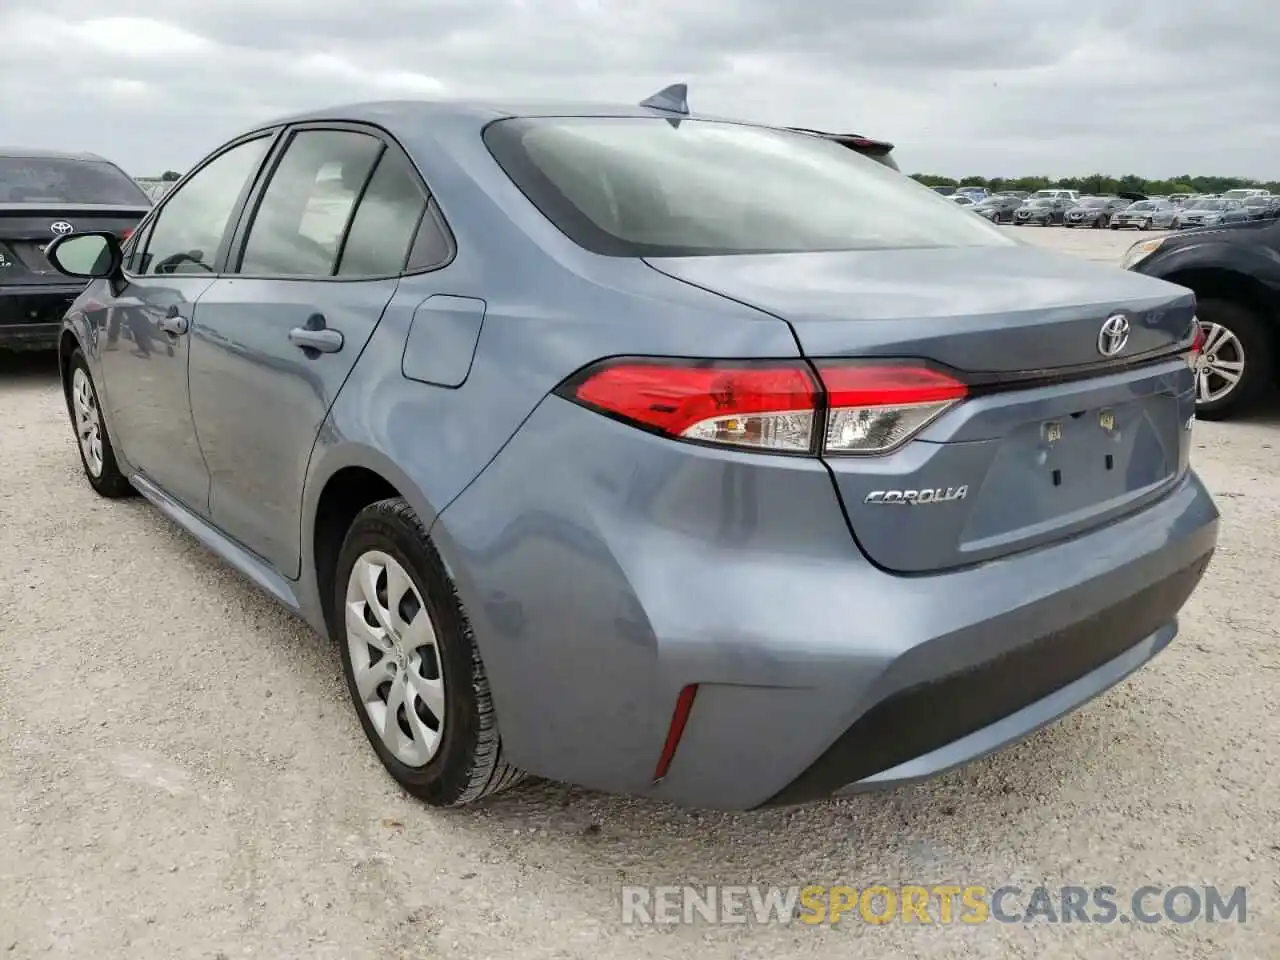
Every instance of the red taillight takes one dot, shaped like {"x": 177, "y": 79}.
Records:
{"x": 768, "y": 405}
{"x": 852, "y": 407}
{"x": 1197, "y": 346}
{"x": 875, "y": 408}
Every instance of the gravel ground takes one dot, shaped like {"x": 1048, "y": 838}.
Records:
{"x": 185, "y": 779}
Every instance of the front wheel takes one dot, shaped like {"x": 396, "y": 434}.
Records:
{"x": 1145, "y": 225}
{"x": 411, "y": 663}
{"x": 1235, "y": 361}
{"x": 97, "y": 455}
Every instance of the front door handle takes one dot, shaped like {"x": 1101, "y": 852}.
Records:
{"x": 314, "y": 335}
{"x": 173, "y": 323}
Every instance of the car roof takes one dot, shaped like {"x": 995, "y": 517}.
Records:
{"x": 413, "y": 112}
{"x": 36, "y": 153}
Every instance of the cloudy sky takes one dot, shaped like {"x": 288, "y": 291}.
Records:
{"x": 992, "y": 87}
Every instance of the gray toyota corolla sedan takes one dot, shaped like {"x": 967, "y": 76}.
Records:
{"x": 659, "y": 454}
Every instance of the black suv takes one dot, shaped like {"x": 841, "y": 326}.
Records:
{"x": 1235, "y": 273}
{"x": 46, "y": 194}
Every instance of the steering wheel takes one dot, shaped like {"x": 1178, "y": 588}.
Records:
{"x": 170, "y": 263}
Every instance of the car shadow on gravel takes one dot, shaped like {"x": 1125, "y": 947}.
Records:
{"x": 1265, "y": 414}
{"x": 940, "y": 825}
{"x": 36, "y": 367}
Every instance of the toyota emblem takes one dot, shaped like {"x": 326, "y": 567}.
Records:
{"x": 60, "y": 228}
{"x": 1114, "y": 335}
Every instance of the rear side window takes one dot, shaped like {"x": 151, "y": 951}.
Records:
{"x": 298, "y": 228}
{"x": 623, "y": 186}
{"x": 388, "y": 215}
{"x": 41, "y": 180}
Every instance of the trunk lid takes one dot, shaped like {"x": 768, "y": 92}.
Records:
{"x": 27, "y": 228}
{"x": 1054, "y": 438}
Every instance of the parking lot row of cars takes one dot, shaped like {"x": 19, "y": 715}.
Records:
{"x": 1070, "y": 209}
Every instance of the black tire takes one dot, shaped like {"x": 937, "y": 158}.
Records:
{"x": 469, "y": 763}
{"x": 1145, "y": 225}
{"x": 1115, "y": 226}
{"x": 1257, "y": 339}
{"x": 109, "y": 482}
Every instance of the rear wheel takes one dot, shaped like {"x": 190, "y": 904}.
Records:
{"x": 97, "y": 456}
{"x": 1236, "y": 361}
{"x": 411, "y": 663}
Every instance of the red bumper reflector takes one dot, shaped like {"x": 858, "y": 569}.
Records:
{"x": 679, "y": 717}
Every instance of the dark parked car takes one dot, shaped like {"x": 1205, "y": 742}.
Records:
{"x": 46, "y": 194}
{"x": 1213, "y": 212}
{"x": 1042, "y": 211}
{"x": 998, "y": 209}
{"x": 1153, "y": 214}
{"x": 1094, "y": 212}
{"x": 663, "y": 455}
{"x": 1235, "y": 274}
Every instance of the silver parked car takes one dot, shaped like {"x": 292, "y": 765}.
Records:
{"x": 1153, "y": 214}
{"x": 700, "y": 460}
{"x": 1212, "y": 212}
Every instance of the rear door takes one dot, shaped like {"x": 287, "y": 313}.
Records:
{"x": 313, "y": 266}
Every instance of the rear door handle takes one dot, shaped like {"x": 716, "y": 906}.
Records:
{"x": 173, "y": 323}
{"x": 314, "y": 335}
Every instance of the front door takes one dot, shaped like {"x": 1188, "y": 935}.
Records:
{"x": 275, "y": 339}
{"x": 144, "y": 346}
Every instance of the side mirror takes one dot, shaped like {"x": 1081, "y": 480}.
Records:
{"x": 89, "y": 256}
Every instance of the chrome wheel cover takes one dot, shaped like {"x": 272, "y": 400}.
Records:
{"x": 1221, "y": 365}
{"x": 88, "y": 422}
{"x": 395, "y": 661}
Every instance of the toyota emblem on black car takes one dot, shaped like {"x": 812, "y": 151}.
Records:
{"x": 1114, "y": 335}
{"x": 60, "y": 228}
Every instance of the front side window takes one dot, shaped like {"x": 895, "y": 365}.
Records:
{"x": 189, "y": 228}
{"x": 298, "y": 228}
{"x": 630, "y": 187}
{"x": 59, "y": 180}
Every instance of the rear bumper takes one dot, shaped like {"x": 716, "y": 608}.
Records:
{"x": 31, "y": 316}
{"x": 605, "y": 570}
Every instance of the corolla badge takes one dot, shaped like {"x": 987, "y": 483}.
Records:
{"x": 1114, "y": 335}
{"x": 915, "y": 498}
{"x": 60, "y": 228}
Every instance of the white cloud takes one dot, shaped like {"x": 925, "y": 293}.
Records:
{"x": 961, "y": 86}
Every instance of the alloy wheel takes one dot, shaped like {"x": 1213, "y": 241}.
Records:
{"x": 1221, "y": 365}
{"x": 395, "y": 660}
{"x": 88, "y": 421}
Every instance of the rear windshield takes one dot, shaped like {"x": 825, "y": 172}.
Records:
{"x": 632, "y": 187}
{"x": 54, "y": 180}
